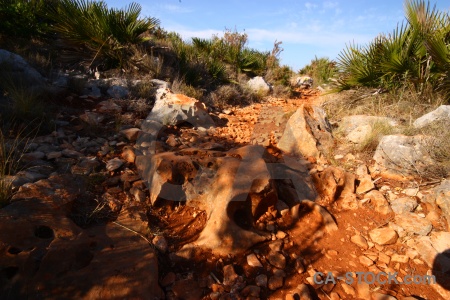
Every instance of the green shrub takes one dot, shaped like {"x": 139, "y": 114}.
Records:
{"x": 24, "y": 18}
{"x": 93, "y": 35}
{"x": 416, "y": 52}
{"x": 321, "y": 70}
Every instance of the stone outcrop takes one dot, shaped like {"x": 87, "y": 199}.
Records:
{"x": 442, "y": 113}
{"x": 259, "y": 85}
{"x": 358, "y": 128}
{"x": 307, "y": 133}
{"x": 403, "y": 155}
{"x": 234, "y": 188}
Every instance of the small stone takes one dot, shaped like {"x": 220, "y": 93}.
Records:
{"x": 277, "y": 260}
{"x": 276, "y": 246}
{"x": 253, "y": 261}
{"x": 229, "y": 275}
{"x": 33, "y": 156}
{"x": 261, "y": 280}
{"x": 53, "y": 155}
{"x": 281, "y": 235}
{"x": 365, "y": 185}
{"x": 130, "y": 134}
{"x": 403, "y": 205}
{"x": 275, "y": 282}
{"x": 348, "y": 289}
{"x": 302, "y": 291}
{"x": 383, "y": 258}
{"x": 71, "y": 153}
{"x": 360, "y": 241}
{"x": 365, "y": 261}
{"x": 114, "y": 164}
{"x": 160, "y": 243}
{"x": 400, "y": 258}
{"x": 383, "y": 236}
{"x": 251, "y": 291}
{"x": 299, "y": 266}
{"x": 363, "y": 290}
{"x": 138, "y": 194}
{"x": 128, "y": 154}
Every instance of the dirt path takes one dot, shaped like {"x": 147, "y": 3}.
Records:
{"x": 307, "y": 246}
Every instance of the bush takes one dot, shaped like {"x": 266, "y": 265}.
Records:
{"x": 321, "y": 70}
{"x": 234, "y": 95}
{"x": 416, "y": 53}
{"x": 93, "y": 35}
{"x": 24, "y": 18}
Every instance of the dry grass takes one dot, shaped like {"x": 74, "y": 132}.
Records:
{"x": 404, "y": 105}
{"x": 11, "y": 151}
{"x": 370, "y": 143}
{"x": 180, "y": 87}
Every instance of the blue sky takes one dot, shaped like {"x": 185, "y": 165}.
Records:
{"x": 306, "y": 28}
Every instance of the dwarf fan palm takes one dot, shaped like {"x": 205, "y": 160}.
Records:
{"x": 94, "y": 34}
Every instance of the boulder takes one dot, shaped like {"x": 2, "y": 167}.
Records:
{"x": 307, "y": 133}
{"x": 439, "y": 198}
{"x": 413, "y": 224}
{"x": 173, "y": 109}
{"x": 42, "y": 249}
{"x": 302, "y": 82}
{"x": 19, "y": 70}
{"x": 358, "y": 128}
{"x": 403, "y": 155}
{"x": 235, "y": 188}
{"x": 442, "y": 113}
{"x": 259, "y": 85}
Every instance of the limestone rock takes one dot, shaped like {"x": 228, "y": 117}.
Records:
{"x": 413, "y": 224}
{"x": 358, "y": 128}
{"x": 307, "y": 133}
{"x": 253, "y": 261}
{"x": 383, "y": 236}
{"x": 19, "y": 69}
{"x": 442, "y": 113}
{"x": 259, "y": 85}
{"x": 379, "y": 201}
{"x": 400, "y": 154}
{"x": 173, "y": 109}
{"x": 403, "y": 205}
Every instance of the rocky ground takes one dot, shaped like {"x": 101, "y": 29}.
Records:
{"x": 97, "y": 212}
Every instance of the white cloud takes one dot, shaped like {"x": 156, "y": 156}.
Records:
{"x": 175, "y": 8}
{"x": 330, "y": 4}
{"x": 310, "y": 5}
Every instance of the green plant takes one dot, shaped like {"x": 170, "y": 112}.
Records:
{"x": 321, "y": 70}
{"x": 416, "y": 52}
{"x": 94, "y": 35}
{"x": 24, "y": 18}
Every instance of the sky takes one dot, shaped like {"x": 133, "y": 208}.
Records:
{"x": 307, "y": 29}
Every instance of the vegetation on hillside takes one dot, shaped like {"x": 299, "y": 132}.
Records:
{"x": 416, "y": 54}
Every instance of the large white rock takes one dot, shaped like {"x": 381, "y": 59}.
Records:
{"x": 19, "y": 69}
{"x": 173, "y": 109}
{"x": 259, "y": 85}
{"x": 403, "y": 155}
{"x": 442, "y": 113}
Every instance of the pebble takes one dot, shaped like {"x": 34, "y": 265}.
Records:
{"x": 277, "y": 260}
{"x": 253, "y": 261}
{"x": 360, "y": 241}
{"x": 383, "y": 236}
{"x": 261, "y": 280}
{"x": 275, "y": 282}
